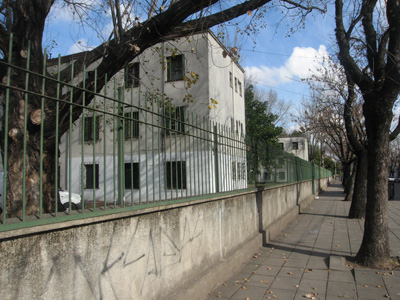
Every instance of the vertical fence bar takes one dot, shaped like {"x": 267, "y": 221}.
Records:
{"x": 182, "y": 157}
{"x": 139, "y": 146}
{"x": 95, "y": 136}
{"x": 70, "y": 136}
{"x": 131, "y": 125}
{"x": 146, "y": 150}
{"x": 42, "y": 134}
{"x": 82, "y": 142}
{"x": 160, "y": 146}
{"x": 56, "y": 149}
{"x": 152, "y": 149}
{"x": 27, "y": 77}
{"x": 186, "y": 153}
{"x": 104, "y": 143}
{"x": 216, "y": 163}
{"x": 114, "y": 142}
{"x": 121, "y": 141}
{"x": 174, "y": 119}
{"x": 6, "y": 117}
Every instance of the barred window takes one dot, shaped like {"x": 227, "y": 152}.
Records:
{"x": 132, "y": 175}
{"x": 175, "y": 120}
{"x": 91, "y": 176}
{"x": 91, "y": 129}
{"x": 176, "y": 174}
{"x": 132, "y": 75}
{"x": 175, "y": 67}
{"x": 131, "y": 125}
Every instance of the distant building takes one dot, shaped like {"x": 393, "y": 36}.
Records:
{"x": 297, "y": 145}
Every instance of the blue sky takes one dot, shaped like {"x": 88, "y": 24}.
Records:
{"x": 276, "y": 61}
{"x": 280, "y": 62}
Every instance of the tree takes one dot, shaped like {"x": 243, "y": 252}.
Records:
{"x": 261, "y": 131}
{"x": 22, "y": 22}
{"x": 337, "y": 101}
{"x": 369, "y": 51}
{"x": 321, "y": 117}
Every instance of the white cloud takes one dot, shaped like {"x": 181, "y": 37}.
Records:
{"x": 81, "y": 45}
{"x": 302, "y": 63}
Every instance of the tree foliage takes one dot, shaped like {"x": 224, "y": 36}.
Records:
{"x": 261, "y": 133}
{"x": 260, "y": 122}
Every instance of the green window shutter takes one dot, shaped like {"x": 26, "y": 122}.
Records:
{"x": 169, "y": 68}
{"x": 183, "y": 66}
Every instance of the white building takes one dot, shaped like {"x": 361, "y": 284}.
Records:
{"x": 297, "y": 145}
{"x": 193, "y": 80}
{"x": 284, "y": 168}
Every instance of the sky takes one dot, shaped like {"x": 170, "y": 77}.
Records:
{"x": 271, "y": 58}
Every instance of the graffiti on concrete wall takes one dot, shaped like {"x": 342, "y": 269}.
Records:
{"x": 146, "y": 257}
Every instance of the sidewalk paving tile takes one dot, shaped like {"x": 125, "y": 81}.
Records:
{"x": 392, "y": 284}
{"x": 313, "y": 286}
{"x": 279, "y": 294}
{"x": 317, "y": 263}
{"x": 252, "y": 292}
{"x": 291, "y": 272}
{"x": 341, "y": 289}
{"x": 316, "y": 274}
{"x": 367, "y": 277}
{"x": 289, "y": 283}
{"x": 261, "y": 280}
{"x": 296, "y": 262}
{"x": 266, "y": 269}
{"x": 225, "y": 290}
{"x": 341, "y": 276}
{"x": 371, "y": 292}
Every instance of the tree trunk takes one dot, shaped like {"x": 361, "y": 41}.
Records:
{"x": 39, "y": 185}
{"x": 374, "y": 251}
{"x": 349, "y": 182}
{"x": 359, "y": 200}
{"x": 33, "y": 152}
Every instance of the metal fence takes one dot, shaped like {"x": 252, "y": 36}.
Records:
{"x": 122, "y": 150}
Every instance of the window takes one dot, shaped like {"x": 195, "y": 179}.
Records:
{"x": 175, "y": 67}
{"x": 240, "y": 88}
{"x": 281, "y": 145}
{"x": 295, "y": 145}
{"x": 91, "y": 176}
{"x": 176, "y": 175}
{"x": 238, "y": 170}
{"x": 131, "y": 125}
{"x": 91, "y": 129}
{"x": 281, "y": 175}
{"x": 234, "y": 170}
{"x": 132, "y": 175}
{"x": 236, "y": 84}
{"x": 267, "y": 176}
{"x": 230, "y": 79}
{"x": 132, "y": 76}
{"x": 175, "y": 120}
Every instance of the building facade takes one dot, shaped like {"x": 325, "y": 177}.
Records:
{"x": 176, "y": 130}
{"x": 297, "y": 145}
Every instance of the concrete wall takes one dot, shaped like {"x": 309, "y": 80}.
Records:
{"x": 179, "y": 251}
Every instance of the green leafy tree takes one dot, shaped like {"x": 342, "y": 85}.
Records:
{"x": 261, "y": 132}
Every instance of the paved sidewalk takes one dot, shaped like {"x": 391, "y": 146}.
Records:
{"x": 305, "y": 260}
